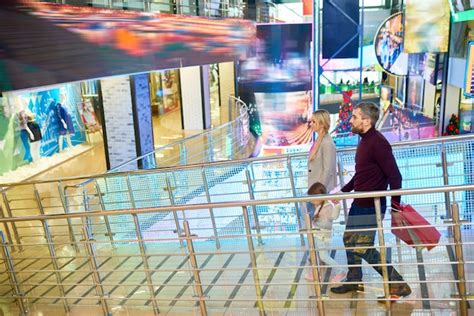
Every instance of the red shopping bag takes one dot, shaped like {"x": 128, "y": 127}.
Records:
{"x": 404, "y": 226}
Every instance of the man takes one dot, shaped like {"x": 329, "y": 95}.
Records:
{"x": 375, "y": 169}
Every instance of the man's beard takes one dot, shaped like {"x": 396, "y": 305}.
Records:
{"x": 355, "y": 130}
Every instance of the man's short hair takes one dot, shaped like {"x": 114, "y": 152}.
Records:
{"x": 369, "y": 110}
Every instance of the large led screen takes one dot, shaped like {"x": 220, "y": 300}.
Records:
{"x": 469, "y": 78}
{"x": 426, "y": 26}
{"x": 46, "y": 43}
{"x": 276, "y": 86}
{"x": 415, "y": 91}
{"x": 388, "y": 45}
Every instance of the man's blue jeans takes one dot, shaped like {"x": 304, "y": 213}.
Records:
{"x": 360, "y": 218}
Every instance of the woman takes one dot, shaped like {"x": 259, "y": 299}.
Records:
{"x": 322, "y": 155}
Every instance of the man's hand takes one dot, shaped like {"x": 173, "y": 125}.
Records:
{"x": 336, "y": 200}
{"x": 395, "y": 207}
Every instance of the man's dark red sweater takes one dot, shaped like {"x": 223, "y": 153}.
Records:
{"x": 375, "y": 168}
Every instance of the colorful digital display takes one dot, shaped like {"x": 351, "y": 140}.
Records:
{"x": 276, "y": 85}
{"x": 386, "y": 93}
{"x": 416, "y": 64}
{"x": 415, "y": 90}
{"x": 426, "y": 26}
{"x": 431, "y": 68}
{"x": 469, "y": 78}
{"x": 401, "y": 89}
{"x": 71, "y": 43}
{"x": 388, "y": 45}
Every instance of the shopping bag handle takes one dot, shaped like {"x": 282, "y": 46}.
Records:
{"x": 397, "y": 207}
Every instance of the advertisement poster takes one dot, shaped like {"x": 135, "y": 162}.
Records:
{"x": 388, "y": 45}
{"x": 401, "y": 90}
{"x": 469, "y": 77}
{"x": 40, "y": 107}
{"x": 276, "y": 86}
{"x": 386, "y": 93}
{"x": 415, "y": 93}
{"x": 426, "y": 26}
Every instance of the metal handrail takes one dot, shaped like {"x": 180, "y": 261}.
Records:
{"x": 191, "y": 207}
{"x": 438, "y": 140}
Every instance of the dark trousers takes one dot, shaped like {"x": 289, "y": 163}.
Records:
{"x": 360, "y": 218}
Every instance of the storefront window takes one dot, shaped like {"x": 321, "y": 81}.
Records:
{"x": 39, "y": 124}
{"x": 165, "y": 91}
{"x": 89, "y": 107}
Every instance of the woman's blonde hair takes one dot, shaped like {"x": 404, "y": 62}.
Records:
{"x": 323, "y": 119}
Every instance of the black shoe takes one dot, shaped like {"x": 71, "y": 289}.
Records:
{"x": 400, "y": 290}
{"x": 346, "y": 288}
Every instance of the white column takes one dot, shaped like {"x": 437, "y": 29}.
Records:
{"x": 195, "y": 105}
{"x": 118, "y": 116}
{"x": 226, "y": 82}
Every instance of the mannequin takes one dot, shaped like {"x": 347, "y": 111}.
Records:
{"x": 66, "y": 127}
{"x": 30, "y": 133}
{"x": 88, "y": 117}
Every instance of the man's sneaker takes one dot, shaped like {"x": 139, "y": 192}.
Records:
{"x": 397, "y": 291}
{"x": 346, "y": 288}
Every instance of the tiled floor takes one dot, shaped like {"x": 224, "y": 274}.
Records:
{"x": 227, "y": 279}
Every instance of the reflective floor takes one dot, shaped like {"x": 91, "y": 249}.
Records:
{"x": 228, "y": 283}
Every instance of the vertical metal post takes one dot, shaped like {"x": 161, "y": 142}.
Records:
{"x": 254, "y": 208}
{"x": 146, "y": 5}
{"x": 175, "y": 215}
{"x": 361, "y": 47}
{"x": 89, "y": 245}
{"x": 14, "y": 281}
{"x": 253, "y": 261}
{"x": 383, "y": 252}
{"x": 460, "y": 259}
{"x": 316, "y": 30}
{"x": 340, "y": 172}
{"x": 314, "y": 265}
{"x": 293, "y": 189}
{"x": 86, "y": 221}
{"x": 211, "y": 211}
{"x": 146, "y": 266}
{"x": 9, "y": 213}
{"x": 65, "y": 204}
{"x": 182, "y": 154}
{"x": 195, "y": 267}
{"x": 106, "y": 218}
{"x": 130, "y": 192}
{"x": 447, "y": 199}
{"x": 5, "y": 226}
{"x": 52, "y": 253}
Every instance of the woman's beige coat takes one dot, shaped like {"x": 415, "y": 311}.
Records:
{"x": 323, "y": 167}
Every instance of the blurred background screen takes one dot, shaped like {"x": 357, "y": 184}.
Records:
{"x": 276, "y": 85}
{"x": 77, "y": 43}
{"x": 426, "y": 26}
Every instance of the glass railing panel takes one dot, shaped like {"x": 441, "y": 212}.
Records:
{"x": 227, "y": 182}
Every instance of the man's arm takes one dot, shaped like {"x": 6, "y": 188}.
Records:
{"x": 349, "y": 186}
{"x": 384, "y": 157}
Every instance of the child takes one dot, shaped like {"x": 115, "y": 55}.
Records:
{"x": 323, "y": 213}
